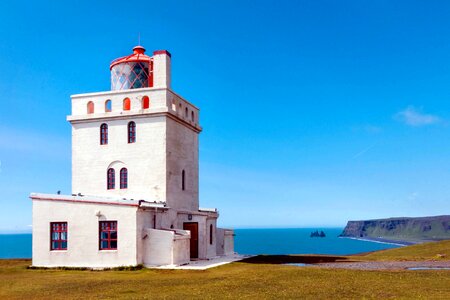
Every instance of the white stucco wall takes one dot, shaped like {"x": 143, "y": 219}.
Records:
{"x": 145, "y": 159}
{"x": 165, "y": 247}
{"x": 182, "y": 154}
{"x": 83, "y": 234}
{"x": 225, "y": 241}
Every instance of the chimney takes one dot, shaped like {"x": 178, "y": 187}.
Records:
{"x": 161, "y": 69}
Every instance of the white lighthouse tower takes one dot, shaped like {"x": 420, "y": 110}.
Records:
{"x": 135, "y": 195}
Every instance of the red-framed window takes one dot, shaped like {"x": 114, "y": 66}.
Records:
{"x": 111, "y": 179}
{"x": 123, "y": 178}
{"x": 145, "y": 102}
{"x": 108, "y": 235}
{"x": 104, "y": 134}
{"x": 58, "y": 236}
{"x": 90, "y": 107}
{"x": 126, "y": 104}
{"x": 131, "y": 132}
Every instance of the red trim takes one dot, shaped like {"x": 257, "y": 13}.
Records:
{"x": 58, "y": 242}
{"x": 162, "y": 52}
{"x": 80, "y": 201}
{"x": 108, "y": 234}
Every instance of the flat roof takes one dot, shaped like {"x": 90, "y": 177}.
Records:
{"x": 97, "y": 200}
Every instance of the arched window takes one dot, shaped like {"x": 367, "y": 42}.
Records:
{"x": 90, "y": 107}
{"x": 126, "y": 104}
{"x": 186, "y": 112}
{"x": 210, "y": 234}
{"x": 145, "y": 102}
{"x": 123, "y": 178}
{"x": 183, "y": 178}
{"x": 108, "y": 106}
{"x": 111, "y": 179}
{"x": 104, "y": 134}
{"x": 192, "y": 116}
{"x": 131, "y": 132}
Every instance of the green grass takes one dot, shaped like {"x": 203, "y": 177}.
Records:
{"x": 427, "y": 251}
{"x": 257, "y": 278}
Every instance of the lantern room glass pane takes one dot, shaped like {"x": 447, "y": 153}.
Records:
{"x": 129, "y": 75}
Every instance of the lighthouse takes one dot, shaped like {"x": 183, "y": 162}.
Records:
{"x": 135, "y": 178}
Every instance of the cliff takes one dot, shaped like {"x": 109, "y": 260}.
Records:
{"x": 407, "y": 229}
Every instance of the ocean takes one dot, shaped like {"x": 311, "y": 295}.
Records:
{"x": 247, "y": 241}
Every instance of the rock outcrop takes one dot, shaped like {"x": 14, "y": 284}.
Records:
{"x": 419, "y": 229}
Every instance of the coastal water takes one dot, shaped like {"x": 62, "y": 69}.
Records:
{"x": 298, "y": 241}
{"x": 247, "y": 241}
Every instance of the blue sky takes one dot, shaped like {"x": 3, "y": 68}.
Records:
{"x": 314, "y": 112}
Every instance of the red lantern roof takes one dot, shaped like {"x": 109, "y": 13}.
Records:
{"x": 137, "y": 56}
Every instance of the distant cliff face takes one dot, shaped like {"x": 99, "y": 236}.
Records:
{"x": 425, "y": 228}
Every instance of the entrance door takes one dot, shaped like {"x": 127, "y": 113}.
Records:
{"x": 193, "y": 228}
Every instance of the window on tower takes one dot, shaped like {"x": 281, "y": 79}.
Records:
{"x": 108, "y": 235}
{"x": 145, "y": 102}
{"x": 123, "y": 178}
{"x": 126, "y": 104}
{"x": 186, "y": 112}
{"x": 90, "y": 107}
{"x": 111, "y": 179}
{"x": 104, "y": 134}
{"x": 108, "y": 106}
{"x": 131, "y": 132}
{"x": 211, "y": 234}
{"x": 192, "y": 116}
{"x": 183, "y": 178}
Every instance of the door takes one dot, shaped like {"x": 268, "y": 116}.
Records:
{"x": 193, "y": 228}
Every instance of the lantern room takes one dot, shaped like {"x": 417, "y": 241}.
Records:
{"x": 133, "y": 71}
{"x": 139, "y": 70}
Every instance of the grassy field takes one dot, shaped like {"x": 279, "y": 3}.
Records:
{"x": 260, "y": 278}
{"x": 427, "y": 251}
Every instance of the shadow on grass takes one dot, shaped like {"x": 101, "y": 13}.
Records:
{"x": 294, "y": 259}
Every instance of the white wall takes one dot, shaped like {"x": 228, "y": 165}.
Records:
{"x": 165, "y": 247}
{"x": 182, "y": 154}
{"x": 83, "y": 234}
{"x": 145, "y": 159}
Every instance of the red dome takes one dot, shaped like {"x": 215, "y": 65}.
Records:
{"x": 137, "y": 56}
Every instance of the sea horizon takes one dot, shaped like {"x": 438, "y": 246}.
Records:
{"x": 248, "y": 241}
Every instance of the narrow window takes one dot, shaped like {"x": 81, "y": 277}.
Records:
{"x": 186, "y": 112}
{"x": 145, "y": 102}
{"x": 108, "y": 106}
{"x": 131, "y": 132}
{"x": 126, "y": 104}
{"x": 90, "y": 107}
{"x": 123, "y": 178}
{"x": 108, "y": 235}
{"x": 58, "y": 236}
{"x": 111, "y": 179}
{"x": 183, "y": 175}
{"x": 174, "y": 105}
{"x": 192, "y": 116}
{"x": 104, "y": 134}
{"x": 210, "y": 234}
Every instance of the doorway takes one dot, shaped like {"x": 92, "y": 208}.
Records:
{"x": 193, "y": 228}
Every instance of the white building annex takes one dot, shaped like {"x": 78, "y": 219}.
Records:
{"x": 135, "y": 191}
